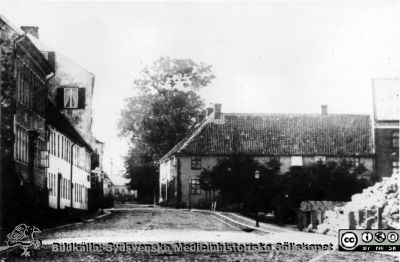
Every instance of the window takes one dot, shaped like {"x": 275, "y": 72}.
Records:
{"x": 58, "y": 145}
{"x": 71, "y": 97}
{"x": 395, "y": 167}
{"x": 55, "y": 184}
{"x": 320, "y": 159}
{"x": 21, "y": 144}
{"x": 395, "y": 139}
{"x": 297, "y": 161}
{"x": 62, "y": 187}
{"x": 196, "y": 162}
{"x": 195, "y": 186}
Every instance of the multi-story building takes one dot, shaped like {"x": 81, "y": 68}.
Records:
{"x": 24, "y": 77}
{"x": 71, "y": 91}
{"x": 293, "y": 139}
{"x": 386, "y": 101}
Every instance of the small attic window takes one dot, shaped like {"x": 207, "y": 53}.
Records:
{"x": 297, "y": 161}
{"x": 70, "y": 98}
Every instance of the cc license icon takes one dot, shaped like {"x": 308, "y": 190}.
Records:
{"x": 349, "y": 240}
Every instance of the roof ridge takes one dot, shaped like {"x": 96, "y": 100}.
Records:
{"x": 279, "y": 134}
{"x": 197, "y": 130}
{"x": 184, "y": 142}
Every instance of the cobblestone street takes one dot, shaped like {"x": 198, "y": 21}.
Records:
{"x": 154, "y": 225}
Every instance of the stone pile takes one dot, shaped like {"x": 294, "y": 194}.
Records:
{"x": 362, "y": 211}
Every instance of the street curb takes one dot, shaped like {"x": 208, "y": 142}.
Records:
{"x": 259, "y": 229}
{"x": 4, "y": 248}
{"x": 241, "y": 225}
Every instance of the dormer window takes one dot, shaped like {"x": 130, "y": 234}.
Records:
{"x": 70, "y": 98}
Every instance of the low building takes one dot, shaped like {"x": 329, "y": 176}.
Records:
{"x": 386, "y": 94}
{"x": 293, "y": 139}
{"x": 120, "y": 190}
{"x": 107, "y": 185}
{"x": 68, "y": 172}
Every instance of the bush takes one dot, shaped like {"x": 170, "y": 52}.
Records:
{"x": 234, "y": 177}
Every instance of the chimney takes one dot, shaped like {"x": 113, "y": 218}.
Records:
{"x": 217, "y": 110}
{"x": 324, "y": 109}
{"x": 201, "y": 116}
{"x": 33, "y": 30}
{"x": 209, "y": 111}
{"x": 51, "y": 57}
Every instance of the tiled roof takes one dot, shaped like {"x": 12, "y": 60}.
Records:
{"x": 279, "y": 134}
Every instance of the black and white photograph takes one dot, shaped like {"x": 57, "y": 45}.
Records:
{"x": 199, "y": 130}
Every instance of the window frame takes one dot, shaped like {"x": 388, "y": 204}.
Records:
{"x": 195, "y": 187}
{"x": 395, "y": 139}
{"x": 195, "y": 162}
{"x": 71, "y": 92}
{"x": 395, "y": 167}
{"x": 295, "y": 159}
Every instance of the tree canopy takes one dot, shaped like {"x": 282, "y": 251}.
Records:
{"x": 165, "y": 107}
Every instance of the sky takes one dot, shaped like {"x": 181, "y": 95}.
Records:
{"x": 268, "y": 57}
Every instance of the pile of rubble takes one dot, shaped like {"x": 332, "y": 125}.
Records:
{"x": 363, "y": 210}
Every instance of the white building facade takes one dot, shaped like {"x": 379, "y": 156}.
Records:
{"x": 69, "y": 167}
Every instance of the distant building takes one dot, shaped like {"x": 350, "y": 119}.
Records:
{"x": 108, "y": 186}
{"x": 123, "y": 193}
{"x": 293, "y": 139}
{"x": 386, "y": 101}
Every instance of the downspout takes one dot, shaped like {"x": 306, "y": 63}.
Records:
{"x": 178, "y": 182}
{"x": 52, "y": 75}
{"x": 72, "y": 167}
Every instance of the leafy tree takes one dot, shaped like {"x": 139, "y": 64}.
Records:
{"x": 165, "y": 107}
{"x": 333, "y": 181}
{"x": 143, "y": 178}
